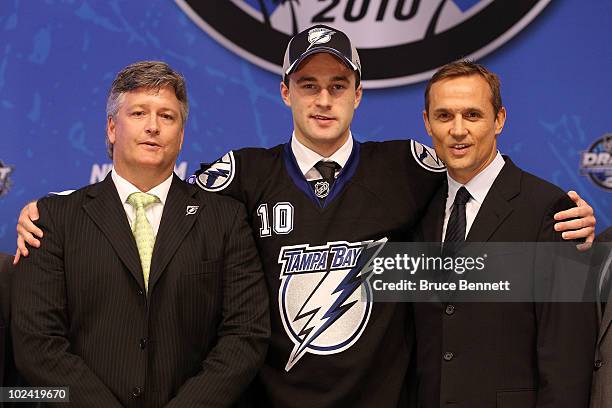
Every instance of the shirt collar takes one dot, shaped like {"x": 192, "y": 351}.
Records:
{"x": 125, "y": 188}
{"x": 480, "y": 184}
{"x": 306, "y": 158}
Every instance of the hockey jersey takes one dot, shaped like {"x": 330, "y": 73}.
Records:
{"x": 331, "y": 345}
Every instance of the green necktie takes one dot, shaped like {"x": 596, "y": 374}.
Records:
{"x": 142, "y": 230}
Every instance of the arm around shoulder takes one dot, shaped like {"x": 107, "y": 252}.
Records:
{"x": 566, "y": 330}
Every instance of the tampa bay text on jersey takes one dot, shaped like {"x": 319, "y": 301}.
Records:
{"x": 326, "y": 296}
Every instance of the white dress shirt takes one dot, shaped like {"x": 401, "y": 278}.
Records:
{"x": 306, "y": 158}
{"x": 152, "y": 212}
{"x": 478, "y": 187}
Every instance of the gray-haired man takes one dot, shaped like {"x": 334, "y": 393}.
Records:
{"x": 148, "y": 291}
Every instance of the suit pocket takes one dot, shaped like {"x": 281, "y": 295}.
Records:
{"x": 516, "y": 399}
{"x": 204, "y": 267}
{"x": 200, "y": 298}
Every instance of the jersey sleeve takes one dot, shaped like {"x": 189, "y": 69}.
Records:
{"x": 221, "y": 176}
{"x": 426, "y": 168}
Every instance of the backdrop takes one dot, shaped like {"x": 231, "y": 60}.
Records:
{"x": 58, "y": 59}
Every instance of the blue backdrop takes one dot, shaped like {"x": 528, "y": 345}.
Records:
{"x": 58, "y": 59}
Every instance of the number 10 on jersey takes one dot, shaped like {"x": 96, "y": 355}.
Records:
{"x": 282, "y": 219}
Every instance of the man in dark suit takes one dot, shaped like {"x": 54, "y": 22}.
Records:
{"x": 481, "y": 355}
{"x": 149, "y": 291}
{"x": 601, "y": 396}
{"x": 5, "y": 284}
{"x": 9, "y": 377}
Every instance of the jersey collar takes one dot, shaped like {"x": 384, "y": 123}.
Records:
{"x": 307, "y": 158}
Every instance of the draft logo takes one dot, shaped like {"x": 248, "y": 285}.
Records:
{"x": 596, "y": 163}
{"x": 325, "y": 296}
{"x": 399, "y": 41}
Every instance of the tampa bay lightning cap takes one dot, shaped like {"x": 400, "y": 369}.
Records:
{"x": 320, "y": 38}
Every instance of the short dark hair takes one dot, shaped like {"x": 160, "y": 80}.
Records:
{"x": 149, "y": 75}
{"x": 467, "y": 68}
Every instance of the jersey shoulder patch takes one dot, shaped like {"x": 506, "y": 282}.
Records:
{"x": 426, "y": 157}
{"x": 218, "y": 175}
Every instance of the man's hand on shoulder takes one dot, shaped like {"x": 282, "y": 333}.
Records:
{"x": 27, "y": 231}
{"x": 578, "y": 222}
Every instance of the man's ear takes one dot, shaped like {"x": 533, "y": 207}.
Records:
{"x": 358, "y": 95}
{"x": 500, "y": 120}
{"x": 426, "y": 122}
{"x": 110, "y": 130}
{"x": 284, "y": 91}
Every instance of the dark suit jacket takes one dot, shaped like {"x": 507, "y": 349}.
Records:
{"x": 81, "y": 316}
{"x": 601, "y": 396}
{"x": 9, "y": 377}
{"x": 5, "y": 284}
{"x": 505, "y": 354}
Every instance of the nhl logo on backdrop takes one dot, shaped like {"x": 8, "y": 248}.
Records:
{"x": 399, "y": 41}
{"x": 5, "y": 181}
{"x": 596, "y": 163}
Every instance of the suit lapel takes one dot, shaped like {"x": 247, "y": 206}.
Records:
{"x": 606, "y": 318}
{"x": 494, "y": 209}
{"x": 107, "y": 212}
{"x": 496, "y": 206}
{"x": 175, "y": 223}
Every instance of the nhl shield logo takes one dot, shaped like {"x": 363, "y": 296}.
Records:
{"x": 325, "y": 296}
{"x": 321, "y": 189}
{"x": 218, "y": 175}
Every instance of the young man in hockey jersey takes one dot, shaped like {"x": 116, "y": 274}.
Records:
{"x": 321, "y": 206}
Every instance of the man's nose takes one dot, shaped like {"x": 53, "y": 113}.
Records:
{"x": 324, "y": 98}
{"x": 152, "y": 125}
{"x": 458, "y": 126}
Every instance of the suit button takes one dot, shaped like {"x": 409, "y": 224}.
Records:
{"x": 140, "y": 292}
{"x": 136, "y": 391}
{"x": 450, "y": 309}
{"x": 598, "y": 364}
{"x": 143, "y": 343}
{"x": 448, "y": 356}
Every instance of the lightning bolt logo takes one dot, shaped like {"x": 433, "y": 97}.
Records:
{"x": 213, "y": 174}
{"x": 218, "y": 175}
{"x": 315, "y": 323}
